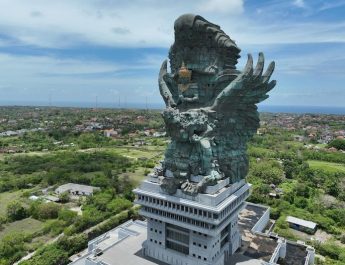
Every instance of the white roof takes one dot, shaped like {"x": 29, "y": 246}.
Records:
{"x": 301, "y": 222}
{"x": 76, "y": 187}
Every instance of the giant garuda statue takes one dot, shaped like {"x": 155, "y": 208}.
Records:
{"x": 211, "y": 109}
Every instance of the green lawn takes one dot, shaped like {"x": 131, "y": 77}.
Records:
{"x": 137, "y": 153}
{"x": 130, "y": 151}
{"x": 254, "y": 151}
{"x": 326, "y": 166}
{"x": 27, "y": 226}
{"x": 136, "y": 177}
{"x": 321, "y": 145}
{"x": 6, "y": 198}
{"x": 293, "y": 143}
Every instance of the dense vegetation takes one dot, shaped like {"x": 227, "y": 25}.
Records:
{"x": 338, "y": 144}
{"x": 315, "y": 194}
{"x": 62, "y": 146}
{"x": 312, "y": 181}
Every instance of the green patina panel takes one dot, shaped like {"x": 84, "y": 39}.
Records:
{"x": 211, "y": 109}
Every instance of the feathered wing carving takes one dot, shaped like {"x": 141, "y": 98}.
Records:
{"x": 163, "y": 87}
{"x": 249, "y": 88}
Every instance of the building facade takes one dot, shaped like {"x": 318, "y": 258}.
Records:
{"x": 184, "y": 229}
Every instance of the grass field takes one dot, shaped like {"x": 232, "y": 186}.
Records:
{"x": 6, "y": 198}
{"x": 327, "y": 166}
{"x": 293, "y": 143}
{"x": 260, "y": 152}
{"x": 136, "y": 177}
{"x": 321, "y": 145}
{"x": 27, "y": 226}
{"x": 137, "y": 153}
{"x": 130, "y": 151}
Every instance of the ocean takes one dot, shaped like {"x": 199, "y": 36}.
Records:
{"x": 262, "y": 108}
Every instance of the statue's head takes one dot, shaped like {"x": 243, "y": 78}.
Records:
{"x": 199, "y": 42}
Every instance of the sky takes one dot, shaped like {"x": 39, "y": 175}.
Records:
{"x": 111, "y": 51}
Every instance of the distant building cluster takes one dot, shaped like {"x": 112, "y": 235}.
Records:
{"x": 307, "y": 127}
{"x": 19, "y": 132}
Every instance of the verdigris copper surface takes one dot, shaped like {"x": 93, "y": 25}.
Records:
{"x": 211, "y": 109}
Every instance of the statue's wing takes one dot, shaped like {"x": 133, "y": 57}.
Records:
{"x": 249, "y": 88}
{"x": 163, "y": 87}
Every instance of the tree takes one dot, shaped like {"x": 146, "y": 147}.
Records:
{"x": 73, "y": 244}
{"x": 289, "y": 197}
{"x": 100, "y": 181}
{"x": 301, "y": 202}
{"x": 259, "y": 193}
{"x": 64, "y": 197}
{"x": 12, "y": 246}
{"x": 67, "y": 215}
{"x": 101, "y": 200}
{"x": 302, "y": 190}
{"x": 117, "y": 205}
{"x": 337, "y": 143}
{"x": 16, "y": 211}
{"x": 114, "y": 183}
{"x": 45, "y": 211}
{"x": 51, "y": 254}
{"x": 269, "y": 172}
{"x": 332, "y": 187}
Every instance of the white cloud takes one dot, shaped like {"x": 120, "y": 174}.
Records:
{"x": 330, "y": 5}
{"x": 313, "y": 63}
{"x": 299, "y": 3}
{"x": 147, "y": 23}
{"x": 34, "y": 77}
{"x": 292, "y": 33}
{"x": 222, "y": 6}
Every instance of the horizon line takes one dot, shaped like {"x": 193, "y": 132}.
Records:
{"x": 265, "y": 108}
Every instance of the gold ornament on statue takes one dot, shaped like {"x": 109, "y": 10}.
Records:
{"x": 185, "y": 76}
{"x": 184, "y": 72}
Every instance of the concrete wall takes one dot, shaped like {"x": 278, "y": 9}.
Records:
{"x": 263, "y": 221}
{"x": 310, "y": 257}
{"x": 175, "y": 258}
{"x": 203, "y": 199}
{"x": 279, "y": 252}
{"x": 156, "y": 232}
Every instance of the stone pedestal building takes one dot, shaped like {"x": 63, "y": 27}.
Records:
{"x": 193, "y": 200}
{"x": 183, "y": 230}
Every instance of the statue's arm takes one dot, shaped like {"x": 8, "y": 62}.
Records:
{"x": 250, "y": 87}
{"x": 163, "y": 87}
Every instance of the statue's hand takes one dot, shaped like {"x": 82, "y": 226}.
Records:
{"x": 163, "y": 88}
{"x": 250, "y": 87}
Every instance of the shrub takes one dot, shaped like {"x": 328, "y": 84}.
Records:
{"x": 45, "y": 211}
{"x": 64, "y": 197}
{"x": 51, "y": 254}
{"x": 16, "y": 211}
